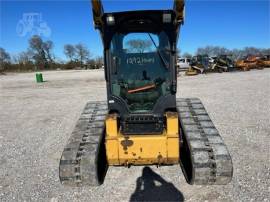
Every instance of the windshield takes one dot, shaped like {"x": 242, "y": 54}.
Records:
{"x": 140, "y": 68}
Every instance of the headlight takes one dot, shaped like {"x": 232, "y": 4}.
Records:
{"x": 167, "y": 18}
{"x": 110, "y": 20}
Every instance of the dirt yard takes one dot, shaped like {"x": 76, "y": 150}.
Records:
{"x": 36, "y": 121}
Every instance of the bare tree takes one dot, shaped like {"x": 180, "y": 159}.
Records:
{"x": 4, "y": 59}
{"x": 25, "y": 57}
{"x": 138, "y": 45}
{"x": 240, "y": 53}
{"x": 91, "y": 64}
{"x": 69, "y": 51}
{"x": 187, "y": 55}
{"x": 37, "y": 47}
{"x": 82, "y": 53}
{"x": 237, "y": 54}
{"x": 41, "y": 51}
{"x": 4, "y": 56}
{"x": 48, "y": 46}
{"x": 212, "y": 51}
{"x": 252, "y": 51}
{"x": 99, "y": 62}
{"x": 178, "y": 52}
{"x": 203, "y": 51}
{"x": 265, "y": 51}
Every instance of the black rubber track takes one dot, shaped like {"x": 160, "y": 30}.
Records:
{"x": 83, "y": 160}
{"x": 205, "y": 159}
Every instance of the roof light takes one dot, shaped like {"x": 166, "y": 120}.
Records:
{"x": 110, "y": 20}
{"x": 167, "y": 18}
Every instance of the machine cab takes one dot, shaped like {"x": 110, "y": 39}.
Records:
{"x": 140, "y": 64}
{"x": 140, "y": 69}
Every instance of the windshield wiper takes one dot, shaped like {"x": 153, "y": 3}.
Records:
{"x": 159, "y": 54}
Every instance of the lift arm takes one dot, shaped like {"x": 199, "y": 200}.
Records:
{"x": 98, "y": 12}
{"x": 179, "y": 9}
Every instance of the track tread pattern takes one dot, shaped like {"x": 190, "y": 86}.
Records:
{"x": 78, "y": 164}
{"x": 211, "y": 163}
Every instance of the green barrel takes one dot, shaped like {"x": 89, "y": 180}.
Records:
{"x": 39, "y": 78}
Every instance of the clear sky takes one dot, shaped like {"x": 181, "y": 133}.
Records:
{"x": 233, "y": 24}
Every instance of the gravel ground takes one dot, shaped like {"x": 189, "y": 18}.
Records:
{"x": 36, "y": 121}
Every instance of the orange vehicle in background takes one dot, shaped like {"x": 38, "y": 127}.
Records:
{"x": 265, "y": 61}
{"x": 249, "y": 62}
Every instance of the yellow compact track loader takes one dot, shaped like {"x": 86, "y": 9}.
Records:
{"x": 142, "y": 122}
